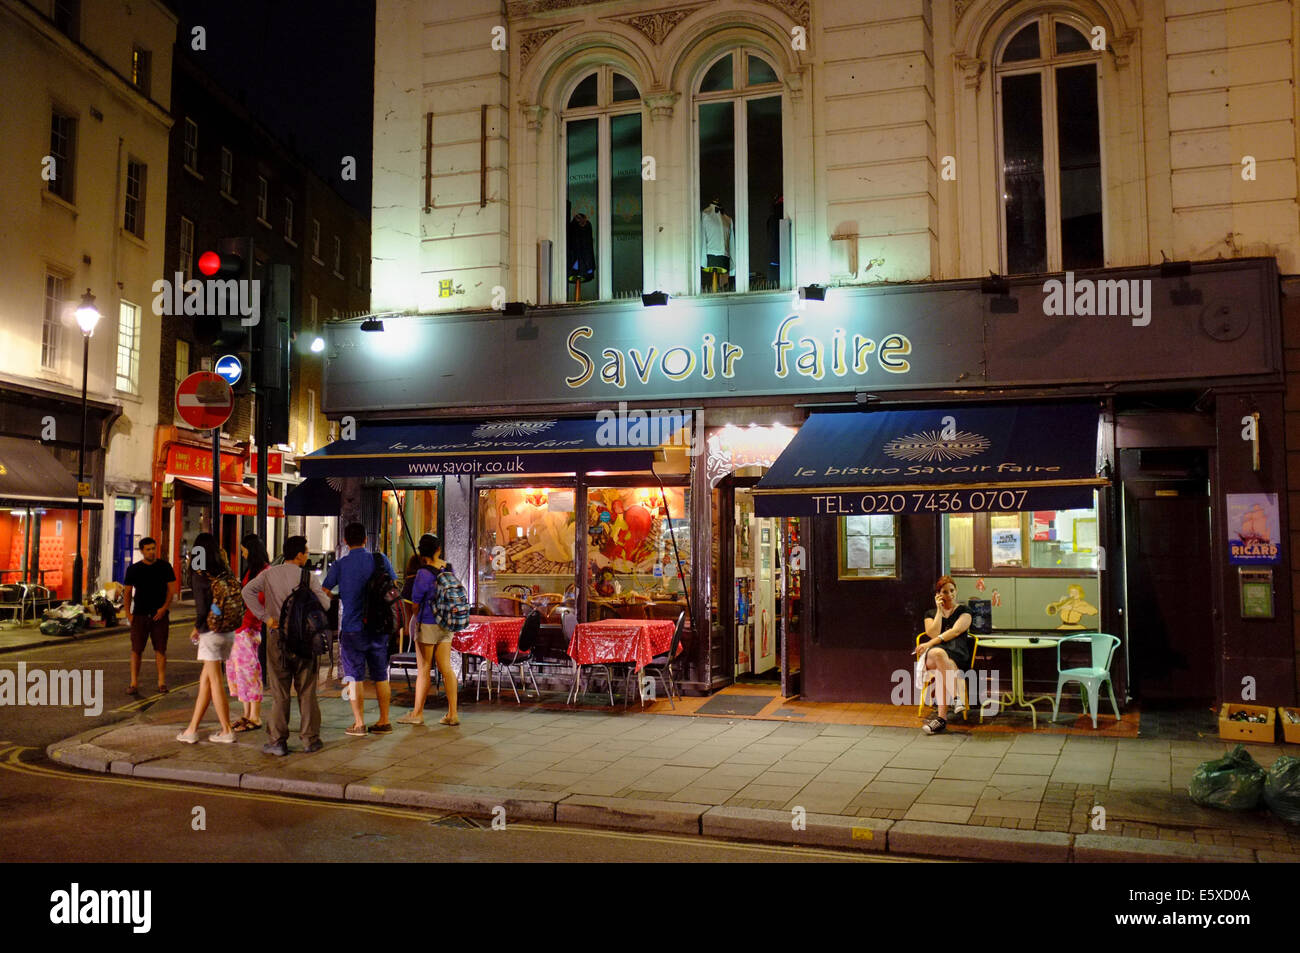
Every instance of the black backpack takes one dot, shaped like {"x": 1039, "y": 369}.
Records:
{"x": 383, "y": 606}
{"x": 304, "y": 625}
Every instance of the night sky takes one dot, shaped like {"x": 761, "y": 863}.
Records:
{"x": 306, "y": 69}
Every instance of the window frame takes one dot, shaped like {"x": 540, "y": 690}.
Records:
{"x": 132, "y": 349}
{"x": 133, "y": 206}
{"x": 845, "y": 574}
{"x": 1045, "y": 66}
{"x": 740, "y": 93}
{"x": 315, "y": 241}
{"x": 190, "y": 146}
{"x": 186, "y": 253}
{"x": 141, "y": 68}
{"x": 176, "y": 367}
{"x": 982, "y": 549}
{"x": 227, "y": 181}
{"x": 338, "y": 256}
{"x": 65, "y": 167}
{"x": 263, "y": 200}
{"x": 605, "y": 110}
{"x": 52, "y": 320}
{"x": 288, "y": 218}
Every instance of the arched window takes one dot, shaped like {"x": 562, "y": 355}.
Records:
{"x": 1050, "y": 139}
{"x": 602, "y": 150}
{"x": 741, "y": 178}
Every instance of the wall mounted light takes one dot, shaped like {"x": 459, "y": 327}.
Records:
{"x": 317, "y": 345}
{"x": 372, "y": 324}
{"x": 812, "y": 293}
{"x": 515, "y": 309}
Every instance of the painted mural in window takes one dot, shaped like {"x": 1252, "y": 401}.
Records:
{"x": 635, "y": 538}
{"x": 526, "y": 542}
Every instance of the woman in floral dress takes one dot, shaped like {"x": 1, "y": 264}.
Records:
{"x": 243, "y": 670}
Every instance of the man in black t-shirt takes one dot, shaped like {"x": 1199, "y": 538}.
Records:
{"x": 150, "y": 586}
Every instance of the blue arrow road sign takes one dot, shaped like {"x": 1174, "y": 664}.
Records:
{"x": 229, "y": 367}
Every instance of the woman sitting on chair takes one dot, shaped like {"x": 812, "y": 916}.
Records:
{"x": 947, "y": 651}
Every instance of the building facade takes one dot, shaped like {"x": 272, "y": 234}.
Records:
{"x": 87, "y": 92}
{"x": 1126, "y": 173}
{"x": 232, "y": 178}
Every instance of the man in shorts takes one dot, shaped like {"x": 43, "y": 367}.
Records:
{"x": 148, "y": 590}
{"x": 364, "y": 654}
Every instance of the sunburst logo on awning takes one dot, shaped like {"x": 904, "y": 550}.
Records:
{"x": 930, "y": 446}
{"x": 501, "y": 429}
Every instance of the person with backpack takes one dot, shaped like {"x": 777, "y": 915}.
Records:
{"x": 369, "y": 616}
{"x": 434, "y": 583}
{"x": 214, "y": 634}
{"x": 292, "y": 604}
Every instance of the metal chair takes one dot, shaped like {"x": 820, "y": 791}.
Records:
{"x": 521, "y": 656}
{"x": 570, "y": 625}
{"x": 1091, "y": 677}
{"x": 928, "y": 677}
{"x": 518, "y": 590}
{"x": 662, "y": 665}
{"x": 13, "y": 598}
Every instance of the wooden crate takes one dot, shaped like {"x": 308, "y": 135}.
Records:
{"x": 1290, "y": 732}
{"x": 1244, "y": 730}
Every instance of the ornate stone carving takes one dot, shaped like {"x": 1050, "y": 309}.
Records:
{"x": 1122, "y": 46}
{"x": 661, "y": 103}
{"x": 794, "y": 82}
{"x": 532, "y": 41}
{"x": 657, "y": 25}
{"x": 796, "y": 10}
{"x": 961, "y": 7}
{"x": 972, "y": 68}
{"x": 518, "y": 9}
{"x": 533, "y": 115}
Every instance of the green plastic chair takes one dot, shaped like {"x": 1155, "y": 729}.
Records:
{"x": 1103, "y": 650}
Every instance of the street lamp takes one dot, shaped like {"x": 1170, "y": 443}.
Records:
{"x": 87, "y": 318}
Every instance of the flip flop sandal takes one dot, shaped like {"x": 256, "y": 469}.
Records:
{"x": 133, "y": 689}
{"x": 450, "y": 724}
{"x": 242, "y": 724}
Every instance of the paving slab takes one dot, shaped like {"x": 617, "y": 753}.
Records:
{"x": 958, "y": 841}
{"x": 675, "y": 817}
{"x": 1110, "y": 849}
{"x": 519, "y": 804}
{"x": 781, "y": 827}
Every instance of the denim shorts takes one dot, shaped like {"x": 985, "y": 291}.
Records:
{"x": 364, "y": 656}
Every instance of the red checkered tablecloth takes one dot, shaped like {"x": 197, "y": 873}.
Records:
{"x": 486, "y": 632}
{"x": 621, "y": 640}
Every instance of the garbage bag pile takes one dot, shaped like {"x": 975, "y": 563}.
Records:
{"x": 67, "y": 619}
{"x": 1237, "y": 782}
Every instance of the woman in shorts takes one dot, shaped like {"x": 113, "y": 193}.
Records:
{"x": 947, "y": 650}
{"x": 214, "y": 647}
{"x": 434, "y": 641}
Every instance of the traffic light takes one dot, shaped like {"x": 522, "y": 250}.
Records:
{"x": 232, "y": 303}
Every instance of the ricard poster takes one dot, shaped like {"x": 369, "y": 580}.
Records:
{"x": 1254, "y": 530}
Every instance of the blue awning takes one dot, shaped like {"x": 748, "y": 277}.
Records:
{"x": 497, "y": 447}
{"x": 937, "y": 460}
{"x": 314, "y": 497}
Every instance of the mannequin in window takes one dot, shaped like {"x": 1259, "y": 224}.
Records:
{"x": 717, "y": 239}
{"x": 581, "y": 253}
{"x": 774, "y": 241}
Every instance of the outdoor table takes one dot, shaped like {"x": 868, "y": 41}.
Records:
{"x": 611, "y": 641}
{"x": 482, "y": 636}
{"x": 1017, "y": 645}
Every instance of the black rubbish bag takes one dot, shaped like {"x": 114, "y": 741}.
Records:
{"x": 1234, "y": 782}
{"x": 1282, "y": 789}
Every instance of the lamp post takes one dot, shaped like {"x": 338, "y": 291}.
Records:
{"x": 87, "y": 318}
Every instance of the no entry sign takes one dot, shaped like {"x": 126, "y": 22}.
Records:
{"x": 204, "y": 400}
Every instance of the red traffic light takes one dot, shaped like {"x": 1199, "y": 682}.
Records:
{"x": 209, "y": 263}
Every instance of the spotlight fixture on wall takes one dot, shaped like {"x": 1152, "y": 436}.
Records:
{"x": 999, "y": 291}
{"x": 812, "y": 293}
{"x": 515, "y": 309}
{"x": 317, "y": 345}
{"x": 654, "y": 299}
{"x": 995, "y": 284}
{"x": 372, "y": 324}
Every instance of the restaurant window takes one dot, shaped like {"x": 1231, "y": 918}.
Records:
{"x": 635, "y": 537}
{"x": 1038, "y": 542}
{"x": 603, "y": 199}
{"x": 1050, "y": 140}
{"x": 133, "y": 216}
{"x": 63, "y": 142}
{"x": 526, "y": 545}
{"x": 740, "y": 174}
{"x": 418, "y": 505}
{"x": 868, "y": 547}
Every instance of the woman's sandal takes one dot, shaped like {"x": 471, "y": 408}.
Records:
{"x": 245, "y": 724}
{"x": 445, "y": 721}
{"x": 411, "y": 719}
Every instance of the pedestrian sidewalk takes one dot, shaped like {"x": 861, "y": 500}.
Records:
{"x": 29, "y": 635}
{"x": 982, "y": 794}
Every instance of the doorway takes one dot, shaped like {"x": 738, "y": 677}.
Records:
{"x": 123, "y": 537}
{"x": 1166, "y": 548}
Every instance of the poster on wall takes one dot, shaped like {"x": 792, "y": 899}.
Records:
{"x": 1006, "y": 546}
{"x": 1254, "y": 530}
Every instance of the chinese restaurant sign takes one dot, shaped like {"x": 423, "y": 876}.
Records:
{"x": 192, "y": 461}
{"x": 1254, "y": 530}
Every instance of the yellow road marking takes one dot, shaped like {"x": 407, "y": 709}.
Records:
{"x": 137, "y": 705}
